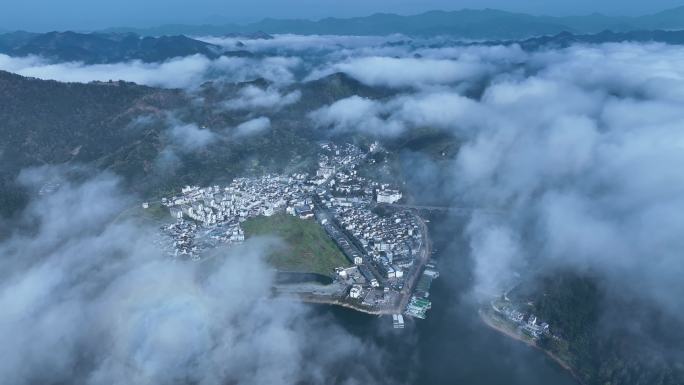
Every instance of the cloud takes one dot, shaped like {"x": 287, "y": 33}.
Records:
{"x": 184, "y": 139}
{"x": 410, "y": 72}
{"x": 183, "y": 72}
{"x": 576, "y": 149}
{"x": 580, "y": 157}
{"x": 181, "y": 139}
{"x": 174, "y": 73}
{"x": 252, "y": 127}
{"x": 276, "y": 69}
{"x": 290, "y": 43}
{"x": 573, "y": 149}
{"x": 404, "y": 67}
{"x": 190, "y": 137}
{"x": 446, "y": 110}
{"x": 355, "y": 114}
{"x": 496, "y": 250}
{"x": 617, "y": 68}
{"x": 499, "y": 55}
{"x": 87, "y": 297}
{"x": 252, "y": 97}
{"x": 167, "y": 161}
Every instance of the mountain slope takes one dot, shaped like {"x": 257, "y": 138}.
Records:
{"x": 48, "y": 122}
{"x": 126, "y": 128}
{"x": 667, "y": 19}
{"x": 52, "y": 122}
{"x": 599, "y": 349}
{"x": 103, "y": 48}
{"x": 566, "y": 39}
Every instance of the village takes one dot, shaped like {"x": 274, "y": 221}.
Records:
{"x": 388, "y": 270}
{"x": 525, "y": 322}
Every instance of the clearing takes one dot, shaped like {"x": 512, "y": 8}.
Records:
{"x": 309, "y": 250}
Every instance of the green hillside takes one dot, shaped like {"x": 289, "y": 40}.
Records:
{"x": 600, "y": 339}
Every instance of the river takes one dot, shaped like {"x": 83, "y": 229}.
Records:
{"x": 452, "y": 346}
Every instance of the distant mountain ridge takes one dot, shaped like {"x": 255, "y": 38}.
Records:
{"x": 95, "y": 48}
{"x": 566, "y": 39}
{"x": 466, "y": 23}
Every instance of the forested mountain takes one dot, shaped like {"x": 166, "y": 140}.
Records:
{"x": 99, "y": 48}
{"x": 52, "y": 122}
{"x": 125, "y": 127}
{"x": 103, "y": 48}
{"x": 49, "y": 122}
{"x": 566, "y": 39}
{"x": 598, "y": 337}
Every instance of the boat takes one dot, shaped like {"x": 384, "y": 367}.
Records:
{"x": 398, "y": 321}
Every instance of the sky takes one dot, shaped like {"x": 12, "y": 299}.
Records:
{"x": 43, "y": 15}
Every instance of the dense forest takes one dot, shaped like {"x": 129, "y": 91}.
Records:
{"x": 602, "y": 336}
{"x": 125, "y": 127}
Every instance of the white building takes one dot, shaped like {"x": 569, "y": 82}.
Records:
{"x": 325, "y": 171}
{"x": 176, "y": 212}
{"x": 355, "y": 291}
{"x": 388, "y": 196}
{"x": 398, "y": 321}
{"x": 391, "y": 273}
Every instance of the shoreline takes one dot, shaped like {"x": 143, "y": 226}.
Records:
{"x": 347, "y": 305}
{"x": 508, "y": 333}
{"x": 335, "y": 302}
{"x": 406, "y": 293}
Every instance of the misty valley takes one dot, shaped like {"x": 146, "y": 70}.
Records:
{"x": 437, "y": 197}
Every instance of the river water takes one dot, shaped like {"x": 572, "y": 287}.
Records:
{"x": 452, "y": 346}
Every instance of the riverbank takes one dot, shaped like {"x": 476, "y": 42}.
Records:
{"x": 334, "y": 295}
{"x": 325, "y": 300}
{"x": 426, "y": 251}
{"x": 489, "y": 321}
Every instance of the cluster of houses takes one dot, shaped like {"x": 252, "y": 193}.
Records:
{"x": 381, "y": 248}
{"x": 242, "y": 199}
{"x": 528, "y": 323}
{"x": 209, "y": 216}
{"x": 333, "y": 158}
{"x": 390, "y": 242}
{"x": 384, "y": 248}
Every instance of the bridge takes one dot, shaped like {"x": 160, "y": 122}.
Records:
{"x": 451, "y": 209}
